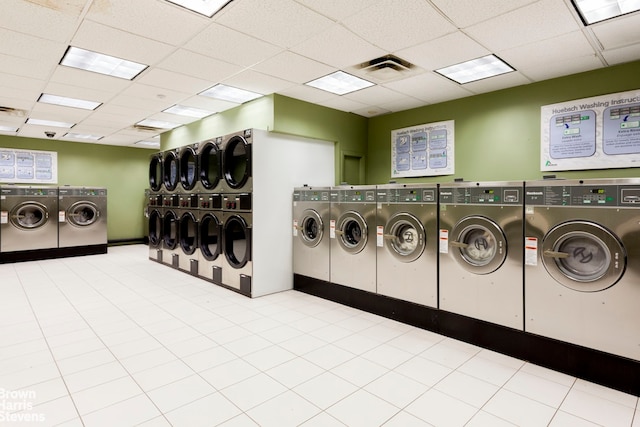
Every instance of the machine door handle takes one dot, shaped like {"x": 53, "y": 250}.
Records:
{"x": 339, "y": 232}
{"x": 389, "y": 236}
{"x": 458, "y": 244}
{"x": 554, "y": 254}
{"x": 297, "y": 227}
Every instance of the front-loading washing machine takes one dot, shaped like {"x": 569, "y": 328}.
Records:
{"x": 188, "y": 233}
{"x": 237, "y": 226}
{"x": 407, "y": 242}
{"x": 82, "y": 217}
{"x": 352, "y": 231}
{"x": 28, "y": 218}
{"x": 155, "y": 214}
{"x": 311, "y": 246}
{"x": 210, "y": 256}
{"x": 170, "y": 231}
{"x": 480, "y": 251}
{"x": 237, "y": 162}
{"x": 171, "y": 170}
{"x": 210, "y": 177}
{"x": 188, "y": 168}
{"x": 582, "y": 263}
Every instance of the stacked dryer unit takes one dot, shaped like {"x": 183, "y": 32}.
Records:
{"x": 582, "y": 263}
{"x": 188, "y": 209}
{"x": 481, "y": 249}
{"x": 155, "y": 207}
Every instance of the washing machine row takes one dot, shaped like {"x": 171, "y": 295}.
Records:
{"x": 555, "y": 258}
{"x": 51, "y": 218}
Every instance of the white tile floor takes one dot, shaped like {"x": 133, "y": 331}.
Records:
{"x": 118, "y": 340}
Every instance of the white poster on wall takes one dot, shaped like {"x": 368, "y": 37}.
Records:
{"x": 423, "y": 150}
{"x": 601, "y": 132}
{"x": 28, "y": 166}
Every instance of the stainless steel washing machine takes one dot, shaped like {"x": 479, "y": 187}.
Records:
{"x": 237, "y": 227}
{"x": 28, "y": 218}
{"x": 582, "y": 263}
{"x": 188, "y": 168}
{"x": 481, "y": 249}
{"x": 237, "y": 162}
{"x": 311, "y": 246}
{"x": 210, "y": 177}
{"x": 155, "y": 214}
{"x": 188, "y": 233}
{"x": 353, "y": 237}
{"x": 170, "y": 230}
{"x": 171, "y": 170}
{"x": 210, "y": 256}
{"x": 82, "y": 216}
{"x": 407, "y": 242}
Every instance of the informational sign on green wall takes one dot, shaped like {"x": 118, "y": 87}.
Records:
{"x": 601, "y": 132}
{"x": 28, "y": 166}
{"x": 423, "y": 150}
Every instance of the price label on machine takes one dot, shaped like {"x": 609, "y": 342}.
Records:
{"x": 295, "y": 228}
{"x": 62, "y": 216}
{"x": 4, "y": 217}
{"x": 444, "y": 241}
{"x": 380, "y": 236}
{"x": 332, "y": 229}
{"x": 530, "y": 251}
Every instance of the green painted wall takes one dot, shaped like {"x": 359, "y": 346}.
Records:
{"x": 497, "y": 135}
{"x": 348, "y": 131}
{"x": 122, "y": 170}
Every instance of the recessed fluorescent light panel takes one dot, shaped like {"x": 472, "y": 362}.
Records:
{"x": 593, "y": 11}
{"x": 203, "y": 7}
{"x": 340, "y": 83}
{"x": 182, "y": 110}
{"x": 68, "y": 102}
{"x": 158, "y": 124}
{"x": 50, "y": 123}
{"x": 231, "y": 94}
{"x": 82, "y": 136}
{"x": 155, "y": 144}
{"x": 476, "y": 69}
{"x": 100, "y": 63}
{"x": 8, "y": 129}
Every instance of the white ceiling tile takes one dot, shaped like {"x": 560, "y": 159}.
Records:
{"x": 35, "y": 131}
{"x": 154, "y": 93}
{"x": 372, "y": 95}
{"x": 173, "y": 118}
{"x": 231, "y": 46}
{"x": 18, "y": 87}
{"x": 6, "y": 120}
{"x": 146, "y": 104}
{"x": 371, "y": 111}
{"x": 87, "y": 79}
{"x": 498, "y": 82}
{"x": 618, "y": 32}
{"x": 59, "y": 113}
{"x": 283, "y": 23}
{"x": 199, "y": 66}
{"x": 49, "y": 20}
{"x": 307, "y": 93}
{"x": 121, "y": 44}
{"x": 257, "y": 82}
{"x": 122, "y": 140}
{"x": 26, "y": 67}
{"x": 623, "y": 54}
{"x": 153, "y": 19}
{"x": 343, "y": 104}
{"x": 429, "y": 88}
{"x": 338, "y": 47}
{"x": 393, "y": 26}
{"x": 30, "y": 47}
{"x": 168, "y": 79}
{"x": 293, "y": 67}
{"x": 19, "y": 103}
{"x": 562, "y": 68}
{"x": 207, "y": 103}
{"x": 464, "y": 13}
{"x": 114, "y": 121}
{"x": 337, "y": 9}
{"x": 542, "y": 20}
{"x": 88, "y": 94}
{"x": 444, "y": 51}
{"x": 405, "y": 103}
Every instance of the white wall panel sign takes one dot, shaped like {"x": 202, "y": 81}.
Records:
{"x": 423, "y": 150}
{"x": 601, "y": 132}
{"x": 28, "y": 166}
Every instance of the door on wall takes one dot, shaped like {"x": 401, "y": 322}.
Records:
{"x": 353, "y": 168}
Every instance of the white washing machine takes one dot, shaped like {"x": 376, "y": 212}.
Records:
{"x": 210, "y": 256}
{"x": 481, "y": 250}
{"x": 28, "y": 218}
{"x": 188, "y": 233}
{"x": 82, "y": 216}
{"x": 237, "y": 227}
{"x": 311, "y": 246}
{"x": 582, "y": 263}
{"x": 352, "y": 230}
{"x": 237, "y": 162}
{"x": 407, "y": 242}
{"x": 210, "y": 177}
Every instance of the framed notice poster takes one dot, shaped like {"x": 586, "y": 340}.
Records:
{"x": 28, "y": 166}
{"x": 423, "y": 150}
{"x": 602, "y": 132}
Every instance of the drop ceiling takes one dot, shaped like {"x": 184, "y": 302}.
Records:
{"x": 276, "y": 46}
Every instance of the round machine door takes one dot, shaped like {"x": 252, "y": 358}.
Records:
{"x": 405, "y": 237}
{"x": 188, "y": 168}
{"x": 155, "y": 228}
{"x": 311, "y": 228}
{"x": 237, "y": 241}
{"x": 155, "y": 172}
{"x": 83, "y": 214}
{"x": 478, "y": 244}
{"x": 170, "y": 165}
{"x": 352, "y": 232}
{"x": 209, "y": 161}
{"x": 188, "y": 233}
{"x": 210, "y": 237}
{"x": 237, "y": 162}
{"x": 583, "y": 256}
{"x": 29, "y": 215}
{"x": 170, "y": 230}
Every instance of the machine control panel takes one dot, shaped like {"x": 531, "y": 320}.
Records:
{"x": 481, "y": 195}
{"x": 236, "y": 202}
{"x": 28, "y": 191}
{"x": 188, "y": 201}
{"x": 210, "y": 201}
{"x": 354, "y": 195}
{"x": 311, "y": 195}
{"x": 583, "y": 195}
{"x": 406, "y": 195}
{"x": 155, "y": 200}
{"x": 171, "y": 200}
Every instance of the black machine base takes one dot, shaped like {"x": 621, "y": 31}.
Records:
{"x": 42, "y": 254}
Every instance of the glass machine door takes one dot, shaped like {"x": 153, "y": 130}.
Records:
{"x": 478, "y": 244}
{"x": 311, "y": 228}
{"x": 352, "y": 232}
{"x": 237, "y": 241}
{"x": 237, "y": 162}
{"x": 405, "y": 237}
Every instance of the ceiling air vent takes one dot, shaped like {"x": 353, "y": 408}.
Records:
{"x": 9, "y": 111}
{"x": 385, "y": 69}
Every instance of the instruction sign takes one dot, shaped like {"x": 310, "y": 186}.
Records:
{"x": 423, "y": 150}
{"x": 28, "y": 166}
{"x": 601, "y": 132}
